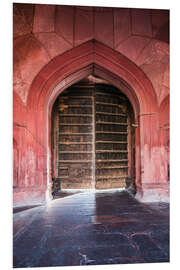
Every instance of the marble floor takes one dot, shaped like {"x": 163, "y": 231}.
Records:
{"x": 91, "y": 228}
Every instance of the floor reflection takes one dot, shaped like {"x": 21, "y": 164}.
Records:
{"x": 92, "y": 228}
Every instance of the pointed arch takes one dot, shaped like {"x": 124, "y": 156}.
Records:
{"x": 95, "y": 58}
{"x": 91, "y": 57}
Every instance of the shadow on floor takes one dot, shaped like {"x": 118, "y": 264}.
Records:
{"x": 23, "y": 208}
{"x": 62, "y": 194}
{"x": 58, "y": 195}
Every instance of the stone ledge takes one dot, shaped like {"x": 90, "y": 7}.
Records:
{"x": 153, "y": 192}
{"x": 24, "y": 196}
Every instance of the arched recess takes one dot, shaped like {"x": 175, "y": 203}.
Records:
{"x": 95, "y": 58}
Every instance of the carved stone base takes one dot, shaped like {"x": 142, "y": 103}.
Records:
{"x": 29, "y": 196}
{"x": 153, "y": 192}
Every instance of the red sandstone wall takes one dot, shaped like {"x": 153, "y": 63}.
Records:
{"x": 42, "y": 32}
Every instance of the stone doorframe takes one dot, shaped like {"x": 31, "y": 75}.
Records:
{"x": 96, "y": 58}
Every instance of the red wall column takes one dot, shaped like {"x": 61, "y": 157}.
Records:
{"x": 153, "y": 179}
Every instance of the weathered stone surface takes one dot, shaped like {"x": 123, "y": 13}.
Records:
{"x": 133, "y": 46}
{"x": 163, "y": 33}
{"x": 83, "y": 24}
{"x": 164, "y": 91}
{"x": 65, "y": 233}
{"x": 141, "y": 22}
{"x": 19, "y": 85}
{"x": 103, "y": 25}
{"x": 44, "y": 18}
{"x": 19, "y": 110}
{"x": 155, "y": 72}
{"x": 64, "y": 22}
{"x": 154, "y": 60}
{"x": 159, "y": 19}
{"x": 122, "y": 25}
{"x": 166, "y": 77}
{"x": 153, "y": 52}
{"x": 150, "y": 251}
{"x": 23, "y": 15}
{"x": 53, "y": 43}
{"x": 29, "y": 58}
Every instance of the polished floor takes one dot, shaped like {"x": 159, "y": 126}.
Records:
{"x": 93, "y": 228}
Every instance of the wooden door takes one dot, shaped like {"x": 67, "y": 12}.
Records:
{"x": 93, "y": 137}
{"x": 76, "y": 138}
{"x": 111, "y": 138}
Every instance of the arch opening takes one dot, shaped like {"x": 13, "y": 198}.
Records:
{"x": 65, "y": 70}
{"x": 92, "y": 138}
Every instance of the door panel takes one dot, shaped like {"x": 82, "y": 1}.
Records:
{"x": 111, "y": 138}
{"x": 76, "y": 138}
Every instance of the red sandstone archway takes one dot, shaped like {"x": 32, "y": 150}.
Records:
{"x": 95, "y": 58}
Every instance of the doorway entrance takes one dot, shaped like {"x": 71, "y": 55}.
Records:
{"x": 93, "y": 137}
